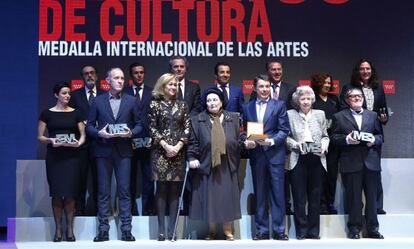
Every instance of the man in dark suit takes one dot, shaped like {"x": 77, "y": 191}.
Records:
{"x": 359, "y": 162}
{"x": 280, "y": 90}
{"x": 113, "y": 119}
{"x": 141, "y": 142}
{"x": 267, "y": 159}
{"x": 81, "y": 100}
{"x": 233, "y": 95}
{"x": 187, "y": 90}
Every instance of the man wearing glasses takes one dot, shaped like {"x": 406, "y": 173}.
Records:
{"x": 357, "y": 133}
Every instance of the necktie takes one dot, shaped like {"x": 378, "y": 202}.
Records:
{"x": 137, "y": 90}
{"x": 180, "y": 92}
{"x": 275, "y": 91}
{"x": 225, "y": 95}
{"x": 91, "y": 97}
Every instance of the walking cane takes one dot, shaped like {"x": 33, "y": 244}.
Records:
{"x": 180, "y": 203}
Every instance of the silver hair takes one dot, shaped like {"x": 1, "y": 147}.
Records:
{"x": 301, "y": 91}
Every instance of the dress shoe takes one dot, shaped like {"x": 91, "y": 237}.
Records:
{"x": 161, "y": 237}
{"x": 381, "y": 211}
{"x": 354, "y": 235}
{"x": 210, "y": 236}
{"x": 300, "y": 237}
{"x": 289, "y": 211}
{"x": 374, "y": 235}
{"x": 127, "y": 236}
{"x": 260, "y": 236}
{"x": 102, "y": 236}
{"x": 280, "y": 236}
{"x": 70, "y": 238}
{"x": 229, "y": 237}
{"x": 323, "y": 210}
{"x": 57, "y": 238}
{"x": 332, "y": 209}
{"x": 313, "y": 236}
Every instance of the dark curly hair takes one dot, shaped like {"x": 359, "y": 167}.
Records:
{"x": 356, "y": 79}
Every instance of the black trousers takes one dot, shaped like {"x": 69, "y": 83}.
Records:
{"x": 330, "y": 177}
{"x": 305, "y": 180}
{"x": 355, "y": 182}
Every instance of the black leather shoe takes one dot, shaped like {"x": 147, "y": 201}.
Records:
{"x": 300, "y": 237}
{"x": 127, "y": 236}
{"x": 260, "y": 236}
{"x": 280, "y": 236}
{"x": 161, "y": 237}
{"x": 102, "y": 236}
{"x": 313, "y": 236}
{"x": 354, "y": 235}
{"x": 332, "y": 209}
{"x": 374, "y": 235}
{"x": 381, "y": 211}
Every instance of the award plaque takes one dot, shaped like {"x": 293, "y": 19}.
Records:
{"x": 255, "y": 131}
{"x": 65, "y": 138}
{"x": 117, "y": 128}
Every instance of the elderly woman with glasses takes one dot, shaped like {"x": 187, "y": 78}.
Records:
{"x": 308, "y": 140}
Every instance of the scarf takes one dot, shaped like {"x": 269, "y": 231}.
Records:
{"x": 218, "y": 140}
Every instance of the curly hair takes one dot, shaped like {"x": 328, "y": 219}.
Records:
{"x": 317, "y": 81}
{"x": 356, "y": 78}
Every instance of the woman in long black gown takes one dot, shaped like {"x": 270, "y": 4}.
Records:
{"x": 66, "y": 132}
{"x": 214, "y": 156}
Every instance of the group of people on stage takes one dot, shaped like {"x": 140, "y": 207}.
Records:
{"x": 308, "y": 136}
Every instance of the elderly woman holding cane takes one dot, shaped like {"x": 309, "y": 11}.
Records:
{"x": 214, "y": 156}
{"x": 308, "y": 140}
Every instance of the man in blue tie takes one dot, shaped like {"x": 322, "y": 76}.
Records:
{"x": 267, "y": 159}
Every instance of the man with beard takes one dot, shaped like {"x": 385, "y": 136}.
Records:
{"x": 81, "y": 100}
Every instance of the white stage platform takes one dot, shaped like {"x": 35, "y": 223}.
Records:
{"x": 238, "y": 244}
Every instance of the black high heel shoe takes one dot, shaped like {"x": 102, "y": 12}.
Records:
{"x": 70, "y": 238}
{"x": 57, "y": 238}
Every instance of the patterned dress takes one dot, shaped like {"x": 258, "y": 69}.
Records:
{"x": 169, "y": 121}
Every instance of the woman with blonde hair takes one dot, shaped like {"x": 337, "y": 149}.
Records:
{"x": 169, "y": 130}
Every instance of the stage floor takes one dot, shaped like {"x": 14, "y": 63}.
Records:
{"x": 394, "y": 243}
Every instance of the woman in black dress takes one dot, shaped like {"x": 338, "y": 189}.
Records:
{"x": 169, "y": 130}
{"x": 322, "y": 85}
{"x": 66, "y": 132}
{"x": 214, "y": 156}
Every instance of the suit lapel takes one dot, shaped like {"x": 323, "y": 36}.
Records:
{"x": 108, "y": 107}
{"x": 252, "y": 110}
{"x": 268, "y": 111}
{"x": 348, "y": 115}
{"x": 365, "y": 120}
{"x": 121, "y": 106}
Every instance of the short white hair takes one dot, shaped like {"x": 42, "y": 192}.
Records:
{"x": 302, "y": 90}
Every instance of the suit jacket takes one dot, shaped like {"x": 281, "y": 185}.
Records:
{"x": 200, "y": 141}
{"x": 143, "y": 107}
{"x": 101, "y": 114}
{"x": 285, "y": 94}
{"x": 317, "y": 126}
{"x": 192, "y": 93}
{"x": 79, "y": 101}
{"x": 276, "y": 126}
{"x": 353, "y": 157}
